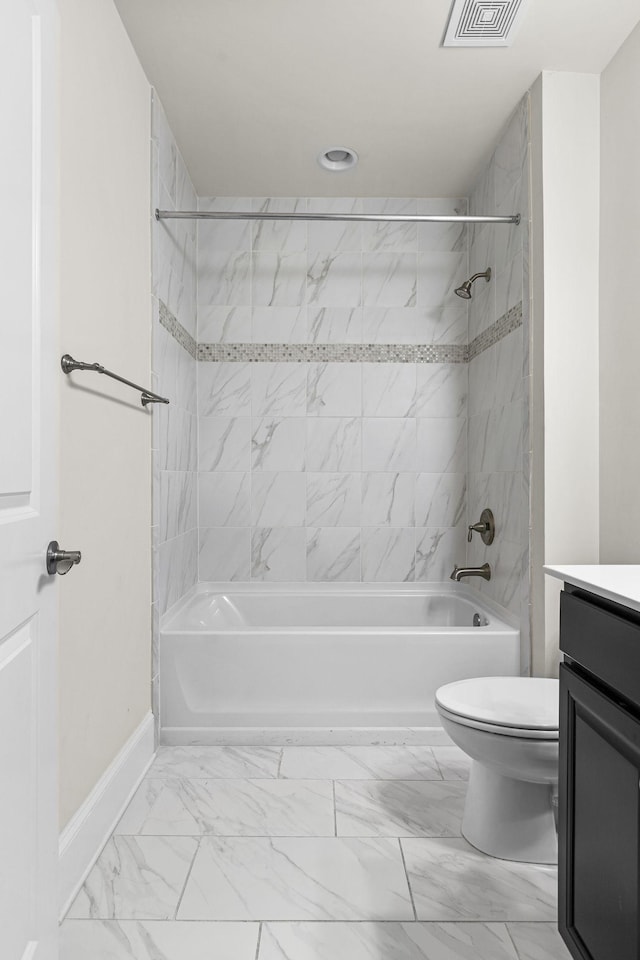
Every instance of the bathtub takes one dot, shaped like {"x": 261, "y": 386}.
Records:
{"x": 322, "y": 663}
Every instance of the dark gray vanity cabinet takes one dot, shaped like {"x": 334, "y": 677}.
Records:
{"x": 599, "y": 785}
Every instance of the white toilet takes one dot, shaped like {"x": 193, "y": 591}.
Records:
{"x": 509, "y": 728}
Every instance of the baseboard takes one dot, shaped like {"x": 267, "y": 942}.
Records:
{"x": 85, "y": 835}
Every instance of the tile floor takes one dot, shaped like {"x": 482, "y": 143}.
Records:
{"x": 307, "y": 853}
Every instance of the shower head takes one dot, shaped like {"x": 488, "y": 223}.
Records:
{"x": 465, "y": 290}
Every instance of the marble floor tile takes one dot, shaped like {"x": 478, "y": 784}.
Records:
{"x": 385, "y": 941}
{"x": 399, "y": 808}
{"x": 360, "y": 763}
{"x": 212, "y": 763}
{"x": 140, "y": 805}
{"x": 157, "y": 940}
{"x": 136, "y": 878}
{"x": 453, "y": 762}
{"x": 231, "y": 808}
{"x": 225, "y": 837}
{"x": 297, "y": 879}
{"x": 538, "y": 941}
{"x": 451, "y": 880}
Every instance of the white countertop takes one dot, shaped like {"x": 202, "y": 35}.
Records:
{"x": 619, "y": 582}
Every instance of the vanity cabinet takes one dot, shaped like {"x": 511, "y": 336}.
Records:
{"x": 599, "y": 783}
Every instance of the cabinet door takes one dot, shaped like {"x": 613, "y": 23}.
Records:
{"x": 598, "y": 823}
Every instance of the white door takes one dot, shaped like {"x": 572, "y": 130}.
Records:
{"x": 28, "y": 388}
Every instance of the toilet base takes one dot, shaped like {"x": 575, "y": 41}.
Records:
{"x": 510, "y": 819}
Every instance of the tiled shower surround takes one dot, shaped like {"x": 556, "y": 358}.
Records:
{"x": 500, "y": 377}
{"x": 342, "y": 469}
{"x": 348, "y": 406}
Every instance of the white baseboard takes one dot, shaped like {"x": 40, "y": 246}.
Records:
{"x": 85, "y": 835}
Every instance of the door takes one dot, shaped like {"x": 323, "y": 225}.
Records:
{"x": 28, "y": 386}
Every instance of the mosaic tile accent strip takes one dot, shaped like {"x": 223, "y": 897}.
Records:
{"x": 505, "y": 325}
{"x": 332, "y": 352}
{"x": 341, "y": 352}
{"x": 177, "y": 331}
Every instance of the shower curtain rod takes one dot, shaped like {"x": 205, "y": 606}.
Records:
{"x": 369, "y": 217}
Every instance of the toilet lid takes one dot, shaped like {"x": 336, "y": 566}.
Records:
{"x": 525, "y": 703}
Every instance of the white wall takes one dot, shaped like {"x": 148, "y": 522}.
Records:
{"x": 565, "y": 151}
{"x": 619, "y": 328}
{"x": 105, "y": 603}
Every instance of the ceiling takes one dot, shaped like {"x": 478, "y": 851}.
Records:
{"x": 254, "y": 90}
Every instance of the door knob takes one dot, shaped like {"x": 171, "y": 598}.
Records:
{"x": 61, "y": 561}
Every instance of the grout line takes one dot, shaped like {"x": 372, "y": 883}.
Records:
{"x": 291, "y": 836}
{"x": 259, "y": 939}
{"x": 406, "y": 873}
{"x": 424, "y": 923}
{"x": 187, "y": 878}
{"x": 369, "y": 779}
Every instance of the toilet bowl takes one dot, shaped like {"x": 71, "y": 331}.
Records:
{"x": 509, "y": 728}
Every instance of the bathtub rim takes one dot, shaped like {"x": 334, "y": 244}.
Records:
{"x": 505, "y": 621}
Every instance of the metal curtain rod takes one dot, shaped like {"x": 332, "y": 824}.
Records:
{"x": 68, "y": 365}
{"x": 369, "y": 217}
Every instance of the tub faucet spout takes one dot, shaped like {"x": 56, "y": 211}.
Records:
{"x": 459, "y": 572}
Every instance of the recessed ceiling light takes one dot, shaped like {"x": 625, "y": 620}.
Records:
{"x": 338, "y": 158}
{"x": 483, "y": 23}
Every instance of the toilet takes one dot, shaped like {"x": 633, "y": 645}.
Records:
{"x": 509, "y": 728}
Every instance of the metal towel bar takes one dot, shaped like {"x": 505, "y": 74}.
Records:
{"x": 68, "y": 365}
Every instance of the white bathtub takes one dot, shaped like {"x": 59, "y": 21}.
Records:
{"x": 321, "y": 663}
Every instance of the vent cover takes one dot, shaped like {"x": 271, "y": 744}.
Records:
{"x": 483, "y": 23}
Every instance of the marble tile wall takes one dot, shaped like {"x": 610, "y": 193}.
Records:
{"x": 331, "y": 470}
{"x": 175, "y": 523}
{"x": 499, "y": 377}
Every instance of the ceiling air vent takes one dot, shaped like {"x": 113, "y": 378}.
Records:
{"x": 483, "y": 23}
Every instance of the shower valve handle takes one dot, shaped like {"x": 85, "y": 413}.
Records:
{"x": 486, "y": 527}
{"x": 477, "y": 528}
